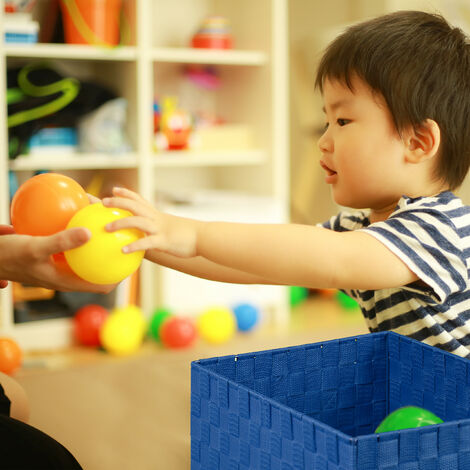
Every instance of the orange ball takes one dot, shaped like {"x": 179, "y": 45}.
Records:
{"x": 44, "y": 204}
{"x": 11, "y": 355}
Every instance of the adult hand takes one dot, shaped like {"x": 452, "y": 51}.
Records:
{"x": 5, "y": 230}
{"x": 28, "y": 260}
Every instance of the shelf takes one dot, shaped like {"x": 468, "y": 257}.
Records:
{"x": 192, "y": 158}
{"x": 70, "y": 51}
{"x": 77, "y": 161}
{"x": 209, "y": 56}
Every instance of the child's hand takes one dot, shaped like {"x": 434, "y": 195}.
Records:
{"x": 170, "y": 234}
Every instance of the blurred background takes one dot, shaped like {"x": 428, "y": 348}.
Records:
{"x": 206, "y": 108}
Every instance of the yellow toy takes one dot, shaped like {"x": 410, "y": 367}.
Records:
{"x": 123, "y": 331}
{"x": 216, "y": 325}
{"x": 101, "y": 260}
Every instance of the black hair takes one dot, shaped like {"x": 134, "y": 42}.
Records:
{"x": 420, "y": 64}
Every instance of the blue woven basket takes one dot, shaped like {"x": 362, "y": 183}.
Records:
{"x": 316, "y": 407}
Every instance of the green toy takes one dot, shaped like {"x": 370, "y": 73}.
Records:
{"x": 67, "y": 87}
{"x": 158, "y": 317}
{"x": 347, "y": 302}
{"x": 297, "y": 295}
{"x": 406, "y": 418}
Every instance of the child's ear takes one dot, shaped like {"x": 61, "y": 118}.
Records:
{"x": 423, "y": 142}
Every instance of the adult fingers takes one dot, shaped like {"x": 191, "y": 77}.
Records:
{"x": 6, "y": 230}
{"x": 62, "y": 241}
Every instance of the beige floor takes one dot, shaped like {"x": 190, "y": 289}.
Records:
{"x": 132, "y": 413}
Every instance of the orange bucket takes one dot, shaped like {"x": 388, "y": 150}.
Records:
{"x": 91, "y": 21}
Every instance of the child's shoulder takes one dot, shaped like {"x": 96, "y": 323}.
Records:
{"x": 445, "y": 204}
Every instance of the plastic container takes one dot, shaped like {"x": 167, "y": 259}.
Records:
{"x": 91, "y": 21}
{"x": 317, "y": 406}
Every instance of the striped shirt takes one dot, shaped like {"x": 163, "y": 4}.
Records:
{"x": 431, "y": 235}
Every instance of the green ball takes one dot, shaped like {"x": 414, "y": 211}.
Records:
{"x": 346, "y": 301}
{"x": 297, "y": 295}
{"x": 158, "y": 317}
{"x": 406, "y": 418}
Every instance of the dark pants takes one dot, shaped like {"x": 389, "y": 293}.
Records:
{"x": 23, "y": 447}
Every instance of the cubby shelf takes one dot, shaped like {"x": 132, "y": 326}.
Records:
{"x": 254, "y": 96}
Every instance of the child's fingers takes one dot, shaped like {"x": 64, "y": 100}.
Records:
{"x": 93, "y": 199}
{"x": 130, "y": 205}
{"x": 141, "y": 223}
{"x": 127, "y": 193}
{"x": 146, "y": 243}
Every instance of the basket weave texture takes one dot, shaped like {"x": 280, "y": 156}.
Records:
{"x": 316, "y": 407}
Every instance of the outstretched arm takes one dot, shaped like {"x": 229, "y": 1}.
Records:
{"x": 287, "y": 254}
{"x": 28, "y": 259}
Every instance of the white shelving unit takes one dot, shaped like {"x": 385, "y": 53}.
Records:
{"x": 254, "y": 93}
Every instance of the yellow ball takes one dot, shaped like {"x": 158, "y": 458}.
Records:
{"x": 123, "y": 331}
{"x": 216, "y": 325}
{"x": 101, "y": 260}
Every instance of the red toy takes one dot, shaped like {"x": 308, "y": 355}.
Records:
{"x": 177, "y": 332}
{"x": 11, "y": 356}
{"x": 88, "y": 321}
{"x": 214, "y": 33}
{"x": 45, "y": 203}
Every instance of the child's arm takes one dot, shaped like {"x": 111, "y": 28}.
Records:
{"x": 286, "y": 254}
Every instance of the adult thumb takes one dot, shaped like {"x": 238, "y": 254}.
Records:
{"x": 65, "y": 240}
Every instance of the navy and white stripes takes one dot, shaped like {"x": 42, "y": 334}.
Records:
{"x": 431, "y": 235}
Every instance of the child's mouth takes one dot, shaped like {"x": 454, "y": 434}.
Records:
{"x": 330, "y": 174}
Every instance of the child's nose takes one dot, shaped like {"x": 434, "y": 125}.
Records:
{"x": 325, "y": 143}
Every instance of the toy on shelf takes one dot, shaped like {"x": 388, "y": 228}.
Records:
{"x": 19, "y": 26}
{"x": 176, "y": 126}
{"x": 408, "y": 417}
{"x": 88, "y": 322}
{"x": 214, "y": 33}
{"x": 198, "y": 93}
{"x": 216, "y": 325}
{"x": 103, "y": 130}
{"x": 247, "y": 316}
{"x": 177, "y": 332}
{"x": 11, "y": 356}
{"x": 91, "y": 21}
{"x": 54, "y": 140}
{"x": 123, "y": 331}
{"x": 45, "y": 203}
{"x": 101, "y": 260}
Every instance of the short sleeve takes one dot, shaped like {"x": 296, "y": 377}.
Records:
{"x": 427, "y": 242}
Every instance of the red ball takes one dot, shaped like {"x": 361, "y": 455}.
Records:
{"x": 45, "y": 203}
{"x": 177, "y": 332}
{"x": 88, "y": 321}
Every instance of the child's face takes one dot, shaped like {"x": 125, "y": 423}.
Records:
{"x": 362, "y": 152}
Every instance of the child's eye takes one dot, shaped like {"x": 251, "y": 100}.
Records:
{"x": 325, "y": 127}
{"x": 342, "y": 122}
